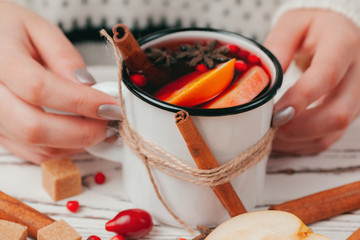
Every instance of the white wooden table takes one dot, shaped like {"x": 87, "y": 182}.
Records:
{"x": 287, "y": 178}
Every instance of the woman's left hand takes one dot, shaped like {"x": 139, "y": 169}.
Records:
{"x": 332, "y": 80}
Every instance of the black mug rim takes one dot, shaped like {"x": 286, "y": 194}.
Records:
{"x": 264, "y": 98}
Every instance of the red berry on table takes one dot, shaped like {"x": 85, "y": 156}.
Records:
{"x": 93, "y": 237}
{"x": 253, "y": 59}
{"x": 132, "y": 223}
{"x": 100, "y": 178}
{"x": 241, "y": 66}
{"x": 138, "y": 79}
{"x": 118, "y": 237}
{"x": 72, "y": 206}
{"x": 233, "y": 49}
{"x": 243, "y": 54}
{"x": 201, "y": 67}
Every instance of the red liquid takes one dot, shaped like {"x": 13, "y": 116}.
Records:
{"x": 182, "y": 71}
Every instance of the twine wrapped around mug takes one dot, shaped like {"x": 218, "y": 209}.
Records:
{"x": 152, "y": 155}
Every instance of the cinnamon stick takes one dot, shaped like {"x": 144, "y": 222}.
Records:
{"x": 324, "y": 204}
{"x": 204, "y": 159}
{"x": 355, "y": 235}
{"x": 134, "y": 57}
{"x": 14, "y": 210}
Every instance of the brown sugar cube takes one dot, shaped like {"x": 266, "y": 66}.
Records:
{"x": 12, "y": 231}
{"x": 59, "y": 230}
{"x": 61, "y": 178}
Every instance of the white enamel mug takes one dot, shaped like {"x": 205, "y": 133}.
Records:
{"x": 227, "y": 131}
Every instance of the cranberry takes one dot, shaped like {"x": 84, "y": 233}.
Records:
{"x": 201, "y": 68}
{"x": 243, "y": 54}
{"x": 138, "y": 79}
{"x": 132, "y": 223}
{"x": 118, "y": 237}
{"x": 253, "y": 59}
{"x": 72, "y": 206}
{"x": 233, "y": 49}
{"x": 93, "y": 237}
{"x": 100, "y": 178}
{"x": 240, "y": 66}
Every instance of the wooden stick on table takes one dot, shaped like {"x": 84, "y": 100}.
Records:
{"x": 14, "y": 210}
{"x": 39, "y": 225}
{"x": 324, "y": 204}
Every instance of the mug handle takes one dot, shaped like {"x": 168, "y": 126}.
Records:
{"x": 105, "y": 150}
{"x": 113, "y": 152}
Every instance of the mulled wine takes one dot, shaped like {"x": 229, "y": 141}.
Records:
{"x": 204, "y": 73}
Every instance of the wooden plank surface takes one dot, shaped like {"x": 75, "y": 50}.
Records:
{"x": 287, "y": 178}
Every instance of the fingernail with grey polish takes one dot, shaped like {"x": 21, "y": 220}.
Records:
{"x": 110, "y": 112}
{"x": 283, "y": 116}
{"x": 83, "y": 76}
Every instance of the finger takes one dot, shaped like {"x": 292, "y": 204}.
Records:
{"x": 40, "y": 87}
{"x": 305, "y": 147}
{"x": 32, "y": 125}
{"x": 327, "y": 69}
{"x": 285, "y": 38}
{"x": 336, "y": 111}
{"x": 56, "y": 51}
{"x": 33, "y": 154}
{"x": 344, "y": 100}
{"x": 14, "y": 40}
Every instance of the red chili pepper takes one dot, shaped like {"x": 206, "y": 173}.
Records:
{"x": 132, "y": 223}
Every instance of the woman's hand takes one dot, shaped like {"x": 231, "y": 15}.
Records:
{"x": 332, "y": 43}
{"x": 37, "y": 66}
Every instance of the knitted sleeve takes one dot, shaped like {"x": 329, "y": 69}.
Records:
{"x": 348, "y": 8}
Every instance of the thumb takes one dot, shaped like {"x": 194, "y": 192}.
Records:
{"x": 287, "y": 35}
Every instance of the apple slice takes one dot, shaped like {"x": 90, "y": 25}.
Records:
{"x": 196, "y": 88}
{"x": 243, "y": 90}
{"x": 264, "y": 225}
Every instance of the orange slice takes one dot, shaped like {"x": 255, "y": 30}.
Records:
{"x": 243, "y": 90}
{"x": 197, "y": 88}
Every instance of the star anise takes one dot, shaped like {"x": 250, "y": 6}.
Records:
{"x": 199, "y": 53}
{"x": 160, "y": 57}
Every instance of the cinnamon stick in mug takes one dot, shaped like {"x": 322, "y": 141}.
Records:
{"x": 204, "y": 159}
{"x": 134, "y": 57}
{"x": 324, "y": 204}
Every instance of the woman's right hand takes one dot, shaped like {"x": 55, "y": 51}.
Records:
{"x": 37, "y": 66}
